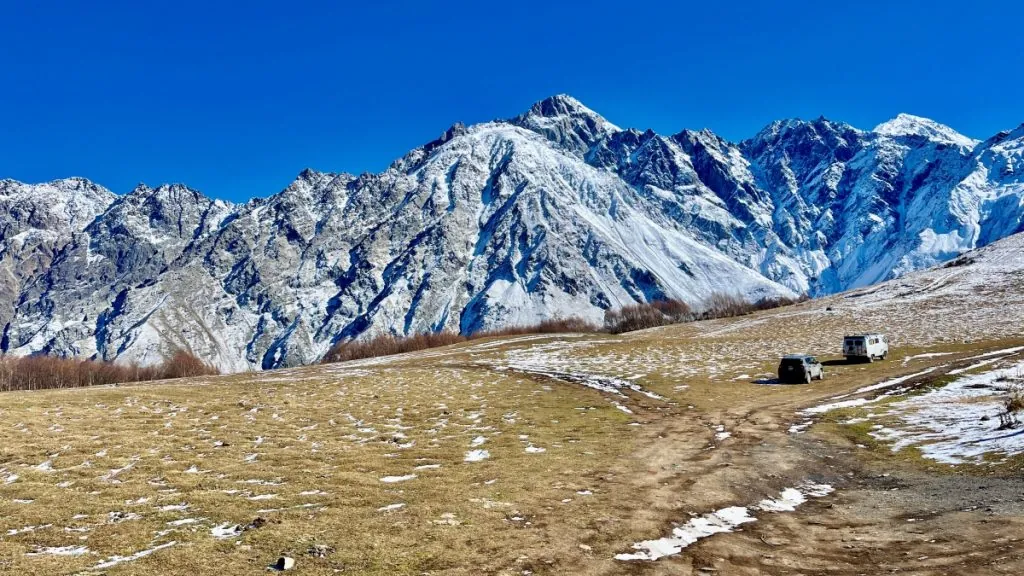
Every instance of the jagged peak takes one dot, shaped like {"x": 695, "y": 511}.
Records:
{"x": 817, "y": 124}
{"x": 74, "y": 186}
{"x": 309, "y": 185}
{"x": 1016, "y": 134}
{"x": 171, "y": 193}
{"x": 833, "y": 132}
{"x": 70, "y": 183}
{"x": 1012, "y": 138}
{"x": 315, "y": 177}
{"x": 309, "y": 174}
{"x": 75, "y": 181}
{"x": 704, "y": 136}
{"x": 565, "y": 121}
{"x": 564, "y": 106}
{"x": 910, "y": 125}
{"x": 559, "y": 105}
{"x": 454, "y": 131}
{"x": 169, "y": 187}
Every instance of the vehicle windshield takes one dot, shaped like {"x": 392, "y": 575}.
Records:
{"x": 855, "y": 341}
{"x": 786, "y": 362}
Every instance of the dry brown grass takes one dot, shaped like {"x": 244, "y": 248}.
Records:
{"x": 48, "y": 372}
{"x": 326, "y": 435}
{"x": 323, "y": 438}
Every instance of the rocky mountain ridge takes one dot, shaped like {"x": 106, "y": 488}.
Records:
{"x": 555, "y": 212}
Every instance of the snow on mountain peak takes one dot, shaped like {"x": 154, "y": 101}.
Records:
{"x": 565, "y": 105}
{"x": 910, "y": 125}
{"x": 565, "y": 121}
{"x": 1015, "y": 134}
{"x": 554, "y": 212}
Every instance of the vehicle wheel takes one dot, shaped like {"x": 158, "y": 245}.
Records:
{"x": 822, "y": 375}
{"x": 807, "y": 378}
{"x": 870, "y": 358}
{"x": 884, "y": 354}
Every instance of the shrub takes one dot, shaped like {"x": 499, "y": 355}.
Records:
{"x": 778, "y": 302}
{"x": 47, "y": 372}
{"x": 551, "y": 326}
{"x": 665, "y": 312}
{"x": 675, "y": 310}
{"x": 723, "y": 305}
{"x": 646, "y": 315}
{"x": 182, "y": 364}
{"x": 1013, "y": 403}
{"x": 387, "y": 344}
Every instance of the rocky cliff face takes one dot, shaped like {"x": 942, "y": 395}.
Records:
{"x": 556, "y": 212}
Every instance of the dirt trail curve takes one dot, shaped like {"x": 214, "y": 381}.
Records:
{"x": 884, "y": 517}
{"x": 715, "y": 450}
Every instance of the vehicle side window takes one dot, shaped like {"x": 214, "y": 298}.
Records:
{"x": 812, "y": 361}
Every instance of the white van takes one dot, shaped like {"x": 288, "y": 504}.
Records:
{"x": 867, "y": 346}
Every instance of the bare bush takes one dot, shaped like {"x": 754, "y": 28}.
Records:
{"x": 47, "y": 372}
{"x": 387, "y": 344}
{"x": 1012, "y": 405}
{"x": 721, "y": 305}
{"x": 674, "y": 310}
{"x": 777, "y": 302}
{"x": 551, "y": 326}
{"x": 1015, "y": 402}
{"x": 725, "y": 305}
{"x": 665, "y": 312}
{"x": 183, "y": 364}
{"x": 646, "y": 315}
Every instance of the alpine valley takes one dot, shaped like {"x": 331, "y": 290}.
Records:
{"x": 556, "y": 212}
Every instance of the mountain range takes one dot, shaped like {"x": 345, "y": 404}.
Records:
{"x": 556, "y": 212}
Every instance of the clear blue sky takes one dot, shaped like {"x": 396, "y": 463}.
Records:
{"x": 236, "y": 98}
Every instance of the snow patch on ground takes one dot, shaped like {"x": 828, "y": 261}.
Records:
{"x": 115, "y": 560}
{"x": 27, "y": 529}
{"x": 959, "y": 422}
{"x": 724, "y": 520}
{"x": 225, "y": 530}
{"x": 59, "y": 551}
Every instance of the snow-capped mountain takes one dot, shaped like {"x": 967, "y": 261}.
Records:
{"x": 555, "y": 212}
